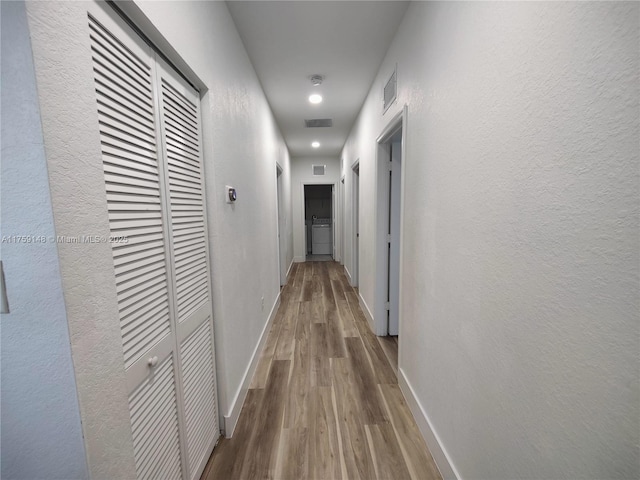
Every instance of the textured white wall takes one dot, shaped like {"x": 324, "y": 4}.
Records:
{"x": 242, "y": 144}
{"x": 301, "y": 173}
{"x": 520, "y": 307}
{"x": 41, "y": 430}
{"x": 64, "y": 76}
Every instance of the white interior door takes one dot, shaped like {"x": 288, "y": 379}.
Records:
{"x": 151, "y": 150}
{"x": 394, "y": 236}
{"x": 188, "y": 255}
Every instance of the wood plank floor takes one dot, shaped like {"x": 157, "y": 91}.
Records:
{"x": 324, "y": 402}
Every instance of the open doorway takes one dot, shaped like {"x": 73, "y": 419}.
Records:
{"x": 318, "y": 219}
{"x": 389, "y": 228}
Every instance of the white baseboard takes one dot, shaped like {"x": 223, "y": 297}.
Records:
{"x": 440, "y": 456}
{"x": 299, "y": 259}
{"x": 367, "y": 313}
{"x": 290, "y": 267}
{"x": 231, "y": 420}
{"x": 348, "y": 274}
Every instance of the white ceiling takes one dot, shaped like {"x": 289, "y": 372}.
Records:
{"x": 288, "y": 41}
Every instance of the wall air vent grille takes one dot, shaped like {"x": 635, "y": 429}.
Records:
{"x": 318, "y": 122}
{"x": 318, "y": 170}
{"x": 390, "y": 90}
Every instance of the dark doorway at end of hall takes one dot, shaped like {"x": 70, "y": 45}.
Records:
{"x": 318, "y": 214}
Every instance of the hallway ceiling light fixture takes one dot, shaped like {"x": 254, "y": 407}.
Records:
{"x": 315, "y": 144}
{"x": 315, "y": 98}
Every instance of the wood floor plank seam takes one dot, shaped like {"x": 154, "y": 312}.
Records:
{"x": 324, "y": 402}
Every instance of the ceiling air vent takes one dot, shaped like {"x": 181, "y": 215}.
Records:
{"x": 318, "y": 122}
{"x": 390, "y": 90}
{"x": 318, "y": 170}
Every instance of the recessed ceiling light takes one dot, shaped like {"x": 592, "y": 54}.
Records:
{"x": 315, "y": 98}
{"x": 315, "y": 144}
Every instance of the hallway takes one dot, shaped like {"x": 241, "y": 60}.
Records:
{"x": 324, "y": 402}
{"x": 483, "y": 162}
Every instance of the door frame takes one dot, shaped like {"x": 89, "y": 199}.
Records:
{"x": 334, "y": 222}
{"x": 282, "y": 267}
{"x": 341, "y": 188}
{"x": 398, "y": 122}
{"x": 355, "y": 223}
{"x": 304, "y": 207}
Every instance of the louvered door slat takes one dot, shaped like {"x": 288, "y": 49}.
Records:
{"x": 191, "y": 267}
{"x": 110, "y": 114}
{"x": 186, "y": 135}
{"x": 128, "y": 263}
{"x": 126, "y": 171}
{"x": 179, "y": 154}
{"x": 139, "y": 276}
{"x": 185, "y": 198}
{"x": 123, "y": 146}
{"x": 112, "y": 108}
{"x": 184, "y": 168}
{"x": 194, "y": 285}
{"x": 121, "y": 72}
{"x": 188, "y": 235}
{"x": 186, "y": 184}
{"x": 104, "y": 37}
{"x": 115, "y": 198}
{"x": 139, "y": 243}
{"x": 134, "y": 207}
{"x": 184, "y": 128}
{"x": 185, "y": 175}
{"x": 188, "y": 248}
{"x": 136, "y": 300}
{"x": 177, "y": 106}
{"x": 111, "y": 87}
{"x": 137, "y": 79}
{"x": 115, "y": 128}
{"x": 151, "y": 310}
{"x": 143, "y": 230}
{"x": 140, "y": 253}
{"x": 181, "y": 141}
{"x": 117, "y": 155}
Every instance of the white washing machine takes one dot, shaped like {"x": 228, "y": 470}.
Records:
{"x": 321, "y": 237}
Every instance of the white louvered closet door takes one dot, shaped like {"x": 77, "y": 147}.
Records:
{"x": 182, "y": 151}
{"x": 149, "y": 124}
